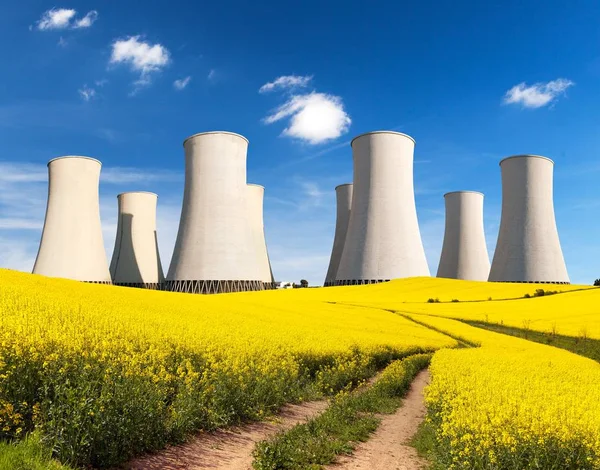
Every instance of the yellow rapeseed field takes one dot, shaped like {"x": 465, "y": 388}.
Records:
{"x": 574, "y": 312}
{"x": 571, "y": 314}
{"x": 512, "y": 404}
{"x": 105, "y": 372}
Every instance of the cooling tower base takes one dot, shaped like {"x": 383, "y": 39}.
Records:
{"x": 269, "y": 285}
{"x": 213, "y": 287}
{"x": 141, "y": 285}
{"x": 535, "y": 282}
{"x": 359, "y": 282}
{"x": 99, "y": 282}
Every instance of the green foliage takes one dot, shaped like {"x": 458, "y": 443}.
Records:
{"x": 541, "y": 293}
{"x": 28, "y": 454}
{"x": 433, "y": 301}
{"x": 349, "y": 419}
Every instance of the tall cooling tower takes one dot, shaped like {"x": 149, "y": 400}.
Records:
{"x": 254, "y": 201}
{"x": 383, "y": 240}
{"x": 71, "y": 246}
{"x": 528, "y": 248}
{"x": 136, "y": 261}
{"x": 343, "y": 194}
{"x": 464, "y": 252}
{"x": 213, "y": 252}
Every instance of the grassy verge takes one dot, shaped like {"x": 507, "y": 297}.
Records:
{"x": 349, "y": 419}
{"x": 426, "y": 444}
{"x": 28, "y": 454}
{"x": 581, "y": 345}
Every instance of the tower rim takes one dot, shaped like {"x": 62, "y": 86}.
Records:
{"x": 525, "y": 155}
{"x": 215, "y": 132}
{"x": 136, "y": 192}
{"x": 464, "y": 192}
{"x": 382, "y": 132}
{"x": 77, "y": 157}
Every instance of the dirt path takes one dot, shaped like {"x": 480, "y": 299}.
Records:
{"x": 230, "y": 448}
{"x": 388, "y": 447}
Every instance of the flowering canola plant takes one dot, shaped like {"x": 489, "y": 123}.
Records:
{"x": 106, "y": 372}
{"x": 575, "y": 311}
{"x": 512, "y": 404}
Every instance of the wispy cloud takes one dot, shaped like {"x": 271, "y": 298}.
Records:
{"x": 141, "y": 56}
{"x": 314, "y": 118}
{"x": 181, "y": 83}
{"x": 118, "y": 175}
{"x": 64, "y": 18}
{"x": 212, "y": 75}
{"x": 285, "y": 82}
{"x": 88, "y": 20}
{"x": 86, "y": 93}
{"x": 538, "y": 94}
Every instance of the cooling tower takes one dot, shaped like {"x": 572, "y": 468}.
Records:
{"x": 136, "y": 261}
{"x": 343, "y": 194}
{"x": 71, "y": 246}
{"x": 213, "y": 251}
{"x": 383, "y": 240}
{"x": 254, "y": 200}
{"x": 464, "y": 252}
{"x": 528, "y": 248}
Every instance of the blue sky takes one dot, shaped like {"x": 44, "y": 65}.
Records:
{"x": 471, "y": 81}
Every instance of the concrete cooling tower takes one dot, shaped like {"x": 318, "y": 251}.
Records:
{"x": 528, "y": 248}
{"x": 383, "y": 240}
{"x": 213, "y": 252}
{"x": 464, "y": 252}
{"x": 343, "y": 194}
{"x": 71, "y": 246}
{"x": 136, "y": 261}
{"x": 254, "y": 201}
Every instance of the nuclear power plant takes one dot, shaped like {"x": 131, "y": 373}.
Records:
{"x": 464, "y": 251}
{"x": 528, "y": 247}
{"x": 136, "y": 260}
{"x": 254, "y": 200}
{"x": 71, "y": 246}
{"x": 213, "y": 251}
{"x": 221, "y": 245}
{"x": 383, "y": 241}
{"x": 343, "y": 194}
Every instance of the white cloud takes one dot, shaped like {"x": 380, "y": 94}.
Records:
{"x": 286, "y": 81}
{"x": 212, "y": 75}
{"x": 538, "y": 94}
{"x": 87, "y": 21}
{"x": 62, "y": 42}
{"x": 141, "y": 56}
{"x": 56, "y": 18}
{"x": 314, "y": 117}
{"x": 101, "y": 83}
{"x": 181, "y": 83}
{"x": 86, "y": 93}
{"x": 64, "y": 18}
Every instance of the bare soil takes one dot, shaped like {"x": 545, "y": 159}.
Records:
{"x": 230, "y": 448}
{"x": 388, "y": 448}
